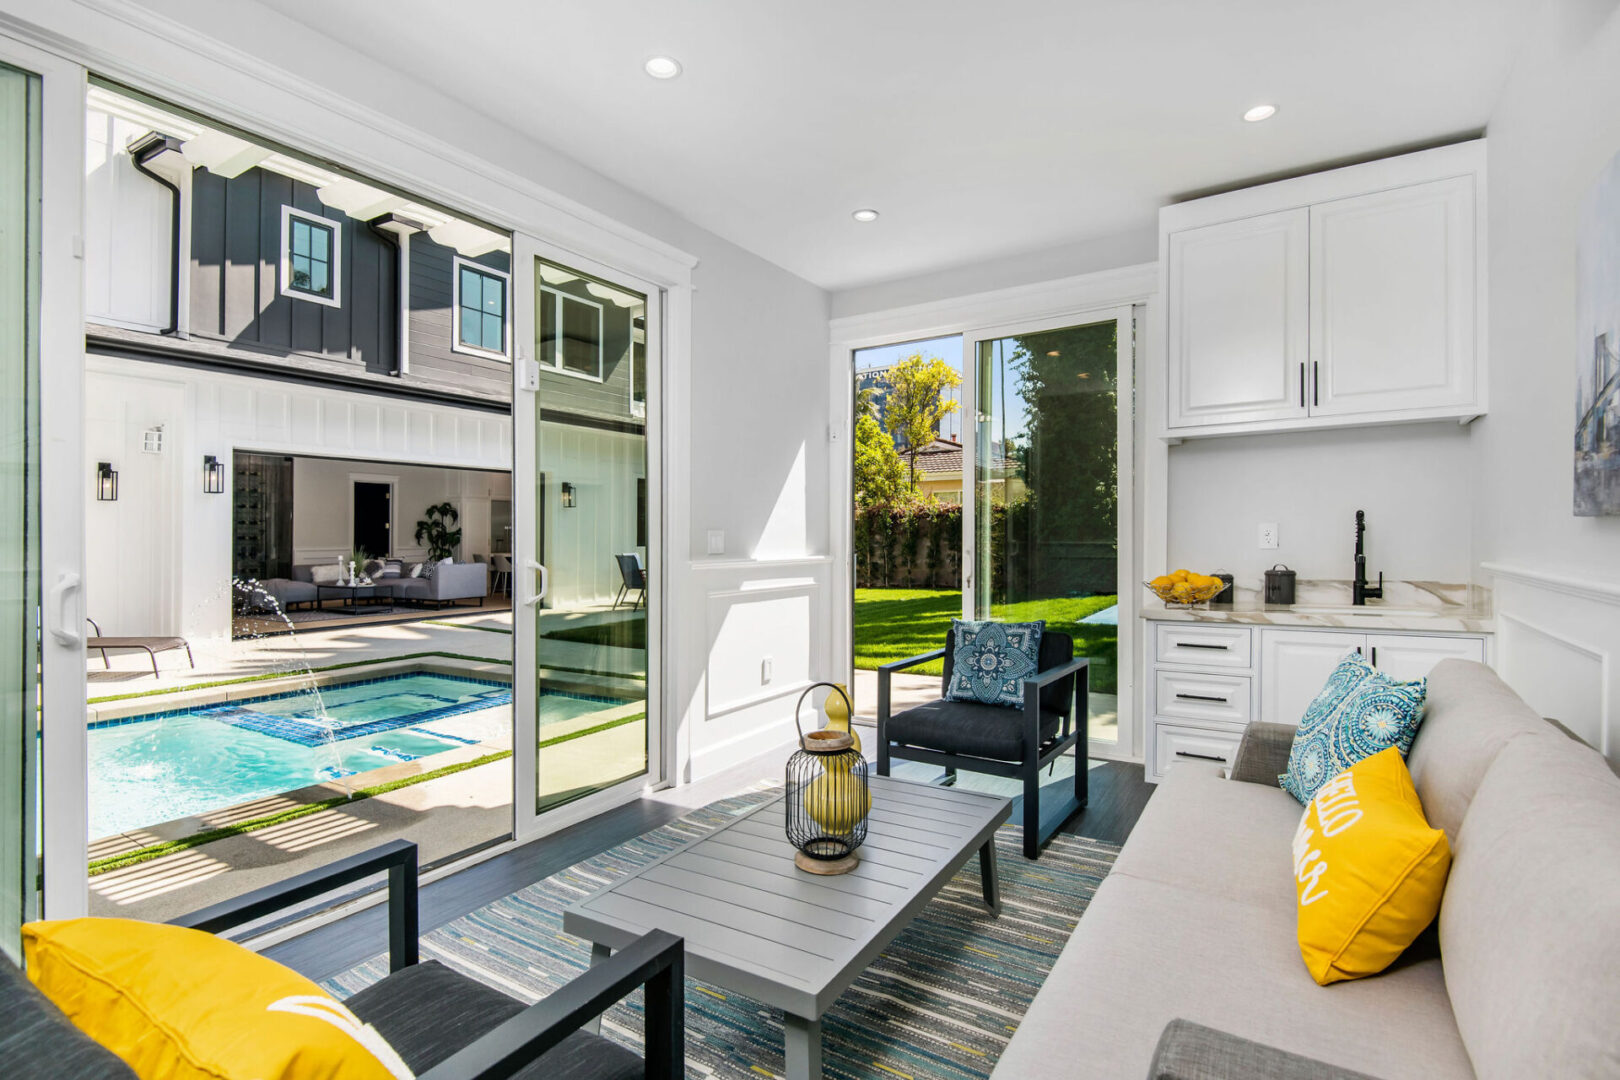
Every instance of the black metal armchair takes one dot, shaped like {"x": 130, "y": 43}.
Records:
{"x": 992, "y": 739}
{"x": 447, "y": 1026}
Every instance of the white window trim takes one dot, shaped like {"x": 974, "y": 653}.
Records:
{"x": 456, "y": 344}
{"x": 554, "y": 363}
{"x": 336, "y": 227}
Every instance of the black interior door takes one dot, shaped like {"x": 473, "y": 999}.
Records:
{"x": 372, "y": 514}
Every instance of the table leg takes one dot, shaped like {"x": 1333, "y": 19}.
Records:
{"x": 802, "y": 1040}
{"x": 599, "y": 954}
{"x": 988, "y": 877}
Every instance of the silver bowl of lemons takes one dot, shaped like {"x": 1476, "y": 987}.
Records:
{"x": 1184, "y": 588}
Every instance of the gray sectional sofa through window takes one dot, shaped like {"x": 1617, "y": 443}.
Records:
{"x": 456, "y": 583}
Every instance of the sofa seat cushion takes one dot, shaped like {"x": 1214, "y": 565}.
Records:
{"x": 39, "y": 1042}
{"x": 427, "y": 1012}
{"x": 1471, "y": 715}
{"x": 962, "y": 727}
{"x": 1530, "y": 922}
{"x": 1146, "y": 953}
{"x": 1203, "y": 831}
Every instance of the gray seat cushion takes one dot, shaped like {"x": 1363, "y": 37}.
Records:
{"x": 1205, "y": 832}
{"x": 965, "y": 727}
{"x": 1146, "y": 953}
{"x": 1189, "y": 1051}
{"x": 39, "y": 1042}
{"x": 1471, "y": 715}
{"x": 1530, "y": 922}
{"x": 427, "y": 1012}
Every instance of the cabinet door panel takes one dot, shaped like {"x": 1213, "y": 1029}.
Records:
{"x": 1392, "y": 299}
{"x": 1403, "y": 656}
{"x": 1295, "y": 665}
{"x": 1238, "y": 333}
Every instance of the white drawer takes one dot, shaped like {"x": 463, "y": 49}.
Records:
{"x": 1195, "y": 695}
{"x": 1203, "y": 645}
{"x": 1172, "y": 744}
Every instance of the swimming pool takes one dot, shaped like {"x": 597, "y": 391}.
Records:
{"x": 157, "y": 767}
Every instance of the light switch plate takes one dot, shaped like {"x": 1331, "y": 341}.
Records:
{"x": 1268, "y": 534}
{"x": 717, "y": 542}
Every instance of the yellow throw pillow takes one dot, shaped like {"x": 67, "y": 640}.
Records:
{"x": 179, "y": 1004}
{"x": 1369, "y": 870}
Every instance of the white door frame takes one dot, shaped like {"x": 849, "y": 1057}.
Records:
{"x": 64, "y": 483}
{"x": 1123, "y": 317}
{"x": 527, "y": 576}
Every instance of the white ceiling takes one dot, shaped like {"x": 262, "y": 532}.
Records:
{"x": 978, "y": 130}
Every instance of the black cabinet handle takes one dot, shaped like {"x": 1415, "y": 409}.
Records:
{"x": 1197, "y": 645}
{"x": 1201, "y": 697}
{"x": 1200, "y": 757}
{"x": 1302, "y": 384}
{"x": 1375, "y": 656}
{"x": 1316, "y": 383}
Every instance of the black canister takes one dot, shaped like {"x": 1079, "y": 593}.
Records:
{"x": 1224, "y": 597}
{"x": 1279, "y": 585}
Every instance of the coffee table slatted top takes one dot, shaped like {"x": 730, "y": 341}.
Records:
{"x": 754, "y": 923}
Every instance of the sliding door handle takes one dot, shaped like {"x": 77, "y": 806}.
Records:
{"x": 66, "y": 585}
{"x": 540, "y": 590}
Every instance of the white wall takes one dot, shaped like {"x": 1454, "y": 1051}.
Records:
{"x": 1556, "y": 127}
{"x": 582, "y": 540}
{"x": 127, "y": 230}
{"x": 323, "y": 507}
{"x": 1415, "y": 482}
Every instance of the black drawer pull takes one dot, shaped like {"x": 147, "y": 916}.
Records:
{"x": 1201, "y": 697}
{"x": 1196, "y": 645}
{"x": 1200, "y": 757}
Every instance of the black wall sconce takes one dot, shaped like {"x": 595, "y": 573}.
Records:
{"x": 213, "y": 475}
{"x": 567, "y": 495}
{"x": 106, "y": 482}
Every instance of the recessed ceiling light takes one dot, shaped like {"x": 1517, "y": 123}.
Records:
{"x": 662, "y": 67}
{"x": 865, "y": 215}
{"x": 1259, "y": 113}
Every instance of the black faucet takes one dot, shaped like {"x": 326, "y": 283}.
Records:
{"x": 1360, "y": 590}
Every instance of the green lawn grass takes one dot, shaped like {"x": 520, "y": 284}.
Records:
{"x": 892, "y": 624}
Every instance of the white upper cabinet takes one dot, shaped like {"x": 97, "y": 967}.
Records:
{"x": 1239, "y": 319}
{"x": 1348, "y": 297}
{"x": 1392, "y": 300}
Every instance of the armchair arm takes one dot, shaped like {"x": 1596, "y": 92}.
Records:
{"x": 1034, "y": 684}
{"x": 656, "y": 960}
{"x": 1189, "y": 1051}
{"x": 886, "y": 672}
{"x": 398, "y": 857}
{"x": 1262, "y": 755}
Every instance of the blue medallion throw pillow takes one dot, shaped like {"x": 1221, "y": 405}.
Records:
{"x": 1358, "y": 713}
{"x": 992, "y": 660}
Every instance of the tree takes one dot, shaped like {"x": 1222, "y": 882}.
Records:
{"x": 917, "y": 403}
{"x": 879, "y": 475}
{"x": 435, "y": 530}
{"x": 866, "y": 401}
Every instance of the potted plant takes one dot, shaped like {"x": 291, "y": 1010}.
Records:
{"x": 434, "y": 531}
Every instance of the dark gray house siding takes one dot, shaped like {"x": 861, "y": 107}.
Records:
{"x": 608, "y": 399}
{"x": 433, "y": 357}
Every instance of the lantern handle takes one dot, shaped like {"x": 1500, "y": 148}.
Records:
{"x": 833, "y": 686}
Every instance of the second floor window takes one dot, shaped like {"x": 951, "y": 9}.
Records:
{"x": 310, "y": 263}
{"x": 571, "y": 334}
{"x": 480, "y": 310}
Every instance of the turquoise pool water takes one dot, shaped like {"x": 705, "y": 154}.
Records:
{"x": 161, "y": 766}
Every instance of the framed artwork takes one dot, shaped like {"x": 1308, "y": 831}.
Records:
{"x": 1597, "y": 349}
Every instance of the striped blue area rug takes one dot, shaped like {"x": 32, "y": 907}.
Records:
{"x": 939, "y": 1004}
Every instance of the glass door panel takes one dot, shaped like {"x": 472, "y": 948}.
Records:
{"x": 1047, "y": 484}
{"x": 593, "y": 542}
{"x": 20, "y": 178}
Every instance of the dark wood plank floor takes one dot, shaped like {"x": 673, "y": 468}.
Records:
{"x": 338, "y": 946}
{"x": 1116, "y": 797}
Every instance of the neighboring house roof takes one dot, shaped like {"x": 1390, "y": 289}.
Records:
{"x": 944, "y": 457}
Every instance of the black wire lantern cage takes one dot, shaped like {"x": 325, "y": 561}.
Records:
{"x": 828, "y": 796}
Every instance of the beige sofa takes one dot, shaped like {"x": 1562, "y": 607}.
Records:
{"x": 1197, "y": 920}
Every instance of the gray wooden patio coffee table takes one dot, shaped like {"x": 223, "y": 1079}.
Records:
{"x": 756, "y": 924}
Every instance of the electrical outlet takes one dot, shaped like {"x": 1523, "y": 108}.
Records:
{"x": 717, "y": 542}
{"x": 765, "y": 670}
{"x": 1268, "y": 534}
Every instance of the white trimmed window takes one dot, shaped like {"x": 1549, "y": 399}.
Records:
{"x": 480, "y": 311}
{"x": 571, "y": 334}
{"x": 311, "y": 257}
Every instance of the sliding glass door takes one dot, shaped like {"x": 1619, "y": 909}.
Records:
{"x": 586, "y": 527}
{"x": 1050, "y": 469}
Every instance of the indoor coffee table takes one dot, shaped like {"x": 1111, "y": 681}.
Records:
{"x": 376, "y": 592}
{"x": 756, "y": 924}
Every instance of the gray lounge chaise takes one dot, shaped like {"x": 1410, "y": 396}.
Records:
{"x": 150, "y": 645}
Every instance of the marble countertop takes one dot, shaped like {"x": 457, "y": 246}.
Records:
{"x": 1435, "y": 606}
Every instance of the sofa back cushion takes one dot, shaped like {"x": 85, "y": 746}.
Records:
{"x": 1470, "y": 716}
{"x": 39, "y": 1042}
{"x": 1528, "y": 925}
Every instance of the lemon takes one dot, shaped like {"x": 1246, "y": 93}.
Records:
{"x": 1180, "y": 575}
{"x": 1163, "y": 581}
